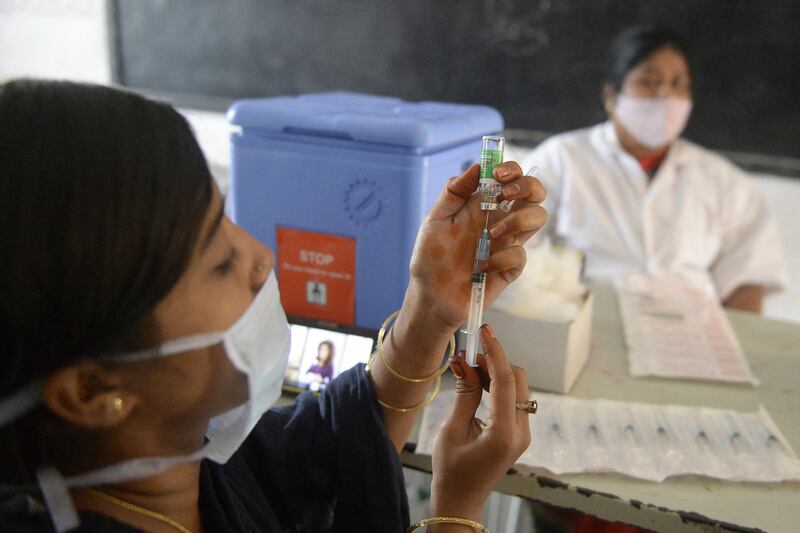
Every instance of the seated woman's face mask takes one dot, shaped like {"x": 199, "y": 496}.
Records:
{"x": 654, "y": 122}
{"x": 257, "y": 345}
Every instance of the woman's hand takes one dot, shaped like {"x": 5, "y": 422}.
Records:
{"x": 471, "y": 455}
{"x": 437, "y": 299}
{"x": 441, "y": 265}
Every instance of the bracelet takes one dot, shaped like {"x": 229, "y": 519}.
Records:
{"x": 436, "y": 386}
{"x": 394, "y": 372}
{"x": 448, "y": 520}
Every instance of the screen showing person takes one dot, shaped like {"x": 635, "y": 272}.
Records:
{"x": 318, "y": 355}
{"x": 321, "y": 370}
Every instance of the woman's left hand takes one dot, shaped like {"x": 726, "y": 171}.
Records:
{"x": 441, "y": 265}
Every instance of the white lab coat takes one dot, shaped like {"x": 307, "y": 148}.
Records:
{"x": 701, "y": 219}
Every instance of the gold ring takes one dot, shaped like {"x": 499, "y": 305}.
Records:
{"x": 529, "y": 406}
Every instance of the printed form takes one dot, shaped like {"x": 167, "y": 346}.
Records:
{"x": 678, "y": 331}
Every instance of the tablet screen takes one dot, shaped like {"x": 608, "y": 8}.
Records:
{"x": 320, "y": 353}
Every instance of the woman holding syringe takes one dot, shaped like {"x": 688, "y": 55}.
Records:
{"x": 144, "y": 404}
{"x": 470, "y": 455}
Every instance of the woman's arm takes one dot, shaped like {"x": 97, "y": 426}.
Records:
{"x": 746, "y": 298}
{"x": 413, "y": 347}
{"x": 437, "y": 298}
{"x": 751, "y": 259}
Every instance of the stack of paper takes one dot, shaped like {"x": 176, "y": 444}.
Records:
{"x": 675, "y": 330}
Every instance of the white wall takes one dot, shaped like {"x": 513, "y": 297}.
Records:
{"x": 64, "y": 39}
{"x": 783, "y": 196}
{"x": 212, "y": 131}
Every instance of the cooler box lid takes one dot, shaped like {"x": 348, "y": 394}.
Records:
{"x": 367, "y": 118}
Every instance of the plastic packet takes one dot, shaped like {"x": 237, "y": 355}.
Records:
{"x": 770, "y": 447}
{"x": 744, "y": 462}
{"x": 553, "y": 449}
{"x": 666, "y": 445}
{"x": 590, "y": 438}
{"x": 702, "y": 446}
{"x": 627, "y": 441}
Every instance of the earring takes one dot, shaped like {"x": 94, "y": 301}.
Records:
{"x": 117, "y": 404}
{"x": 258, "y": 268}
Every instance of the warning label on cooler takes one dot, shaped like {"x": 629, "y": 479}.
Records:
{"x": 317, "y": 275}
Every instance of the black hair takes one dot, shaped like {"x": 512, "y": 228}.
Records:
{"x": 634, "y": 44}
{"x": 103, "y": 196}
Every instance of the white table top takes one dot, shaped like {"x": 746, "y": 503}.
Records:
{"x": 686, "y": 503}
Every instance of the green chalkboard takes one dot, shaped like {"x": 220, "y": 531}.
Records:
{"x": 539, "y": 62}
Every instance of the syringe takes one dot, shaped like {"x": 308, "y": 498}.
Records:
{"x": 475, "y": 318}
{"x": 491, "y": 156}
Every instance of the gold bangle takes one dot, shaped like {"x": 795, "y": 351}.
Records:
{"x": 448, "y": 520}
{"x": 436, "y": 386}
{"x": 398, "y": 375}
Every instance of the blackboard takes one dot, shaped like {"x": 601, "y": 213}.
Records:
{"x": 540, "y": 63}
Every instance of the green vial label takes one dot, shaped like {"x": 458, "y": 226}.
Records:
{"x": 489, "y": 160}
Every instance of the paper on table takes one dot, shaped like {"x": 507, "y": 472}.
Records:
{"x": 645, "y": 441}
{"x": 675, "y": 330}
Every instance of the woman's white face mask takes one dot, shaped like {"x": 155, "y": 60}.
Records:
{"x": 654, "y": 122}
{"x": 257, "y": 345}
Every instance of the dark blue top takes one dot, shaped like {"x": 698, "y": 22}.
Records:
{"x": 321, "y": 464}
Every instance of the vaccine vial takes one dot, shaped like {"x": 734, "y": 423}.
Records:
{"x": 491, "y": 156}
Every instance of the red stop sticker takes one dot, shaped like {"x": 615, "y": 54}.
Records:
{"x": 316, "y": 273}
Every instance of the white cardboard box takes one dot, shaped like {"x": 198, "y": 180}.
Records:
{"x": 553, "y": 353}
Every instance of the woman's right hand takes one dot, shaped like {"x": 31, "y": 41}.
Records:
{"x": 471, "y": 455}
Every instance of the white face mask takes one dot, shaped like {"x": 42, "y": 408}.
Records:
{"x": 257, "y": 345}
{"x": 654, "y": 122}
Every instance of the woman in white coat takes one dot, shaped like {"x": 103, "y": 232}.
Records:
{"x": 634, "y": 197}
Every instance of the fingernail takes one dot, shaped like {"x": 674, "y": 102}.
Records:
{"x": 510, "y": 190}
{"x": 498, "y": 229}
{"x": 502, "y": 172}
{"x": 457, "y": 372}
{"x": 489, "y": 330}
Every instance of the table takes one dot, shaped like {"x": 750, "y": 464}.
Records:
{"x": 687, "y": 503}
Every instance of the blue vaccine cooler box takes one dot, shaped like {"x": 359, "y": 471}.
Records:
{"x": 337, "y": 184}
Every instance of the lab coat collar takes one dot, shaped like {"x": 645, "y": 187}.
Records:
{"x": 610, "y": 138}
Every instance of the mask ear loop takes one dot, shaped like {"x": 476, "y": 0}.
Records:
{"x": 19, "y": 403}
{"x": 57, "y": 499}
